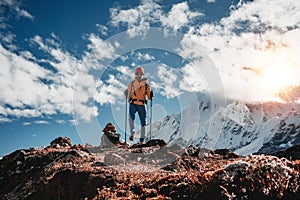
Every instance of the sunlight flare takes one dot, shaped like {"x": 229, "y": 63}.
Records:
{"x": 279, "y": 70}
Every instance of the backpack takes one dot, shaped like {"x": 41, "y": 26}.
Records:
{"x": 133, "y": 89}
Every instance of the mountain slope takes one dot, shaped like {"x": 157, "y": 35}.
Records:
{"x": 244, "y": 128}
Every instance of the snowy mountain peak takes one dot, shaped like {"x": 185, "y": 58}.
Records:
{"x": 238, "y": 126}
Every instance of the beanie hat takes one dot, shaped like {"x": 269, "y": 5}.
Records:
{"x": 139, "y": 70}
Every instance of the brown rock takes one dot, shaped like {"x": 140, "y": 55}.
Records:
{"x": 61, "y": 142}
{"x": 114, "y": 159}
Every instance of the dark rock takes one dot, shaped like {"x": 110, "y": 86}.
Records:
{"x": 180, "y": 191}
{"x": 226, "y": 153}
{"x": 292, "y": 153}
{"x": 70, "y": 184}
{"x": 192, "y": 151}
{"x": 149, "y": 193}
{"x": 136, "y": 189}
{"x": 155, "y": 142}
{"x": 98, "y": 164}
{"x": 222, "y": 152}
{"x": 233, "y": 155}
{"x": 110, "y": 182}
{"x": 61, "y": 142}
{"x": 165, "y": 189}
{"x": 150, "y": 143}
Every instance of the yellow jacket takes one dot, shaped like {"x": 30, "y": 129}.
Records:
{"x": 138, "y": 90}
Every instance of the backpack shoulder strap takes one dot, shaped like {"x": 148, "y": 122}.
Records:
{"x": 146, "y": 87}
{"x": 131, "y": 89}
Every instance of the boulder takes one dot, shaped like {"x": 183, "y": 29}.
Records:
{"x": 61, "y": 142}
{"x": 114, "y": 159}
{"x": 110, "y": 138}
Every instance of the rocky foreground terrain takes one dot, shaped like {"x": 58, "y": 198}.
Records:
{"x": 150, "y": 171}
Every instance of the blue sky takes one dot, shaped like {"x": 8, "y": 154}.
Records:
{"x": 65, "y": 64}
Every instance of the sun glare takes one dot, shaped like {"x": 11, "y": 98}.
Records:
{"x": 279, "y": 73}
{"x": 276, "y": 77}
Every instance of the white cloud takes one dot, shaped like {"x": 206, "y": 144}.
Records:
{"x": 126, "y": 72}
{"x": 26, "y": 123}
{"x": 73, "y": 122}
{"x": 137, "y": 19}
{"x": 4, "y": 120}
{"x": 76, "y": 86}
{"x": 260, "y": 16}
{"x": 251, "y": 36}
{"x": 12, "y": 8}
{"x": 193, "y": 80}
{"x": 24, "y": 13}
{"x": 179, "y": 16}
{"x": 27, "y": 55}
{"x": 167, "y": 82}
{"x": 145, "y": 57}
{"x": 98, "y": 50}
{"x": 60, "y": 121}
{"x": 67, "y": 66}
{"x": 8, "y": 38}
{"x": 85, "y": 112}
{"x": 123, "y": 58}
{"x": 111, "y": 91}
{"x": 140, "y": 18}
{"x": 211, "y": 1}
{"x": 102, "y": 49}
{"x": 20, "y": 80}
{"x": 32, "y": 87}
{"x": 31, "y": 90}
{"x": 41, "y": 122}
{"x": 20, "y": 112}
{"x": 103, "y": 29}
{"x": 167, "y": 76}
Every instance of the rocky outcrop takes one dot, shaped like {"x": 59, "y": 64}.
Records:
{"x": 61, "y": 142}
{"x": 292, "y": 153}
{"x": 150, "y": 143}
{"x": 152, "y": 172}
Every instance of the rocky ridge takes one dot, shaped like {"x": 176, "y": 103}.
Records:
{"x": 156, "y": 171}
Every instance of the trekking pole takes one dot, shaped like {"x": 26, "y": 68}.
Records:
{"x": 150, "y": 116}
{"x": 125, "y": 119}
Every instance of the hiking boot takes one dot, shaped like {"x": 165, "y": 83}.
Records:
{"x": 131, "y": 138}
{"x": 147, "y": 139}
{"x": 141, "y": 140}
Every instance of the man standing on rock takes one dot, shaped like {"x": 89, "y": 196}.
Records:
{"x": 136, "y": 93}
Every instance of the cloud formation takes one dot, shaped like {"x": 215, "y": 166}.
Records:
{"x": 251, "y": 36}
{"x": 12, "y": 8}
{"x": 179, "y": 16}
{"x": 148, "y": 13}
{"x": 138, "y": 19}
{"x": 34, "y": 87}
{"x": 249, "y": 43}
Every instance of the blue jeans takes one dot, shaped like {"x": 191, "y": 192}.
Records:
{"x": 141, "y": 111}
{"x": 142, "y": 114}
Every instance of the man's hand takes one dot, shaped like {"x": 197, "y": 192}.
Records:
{"x": 151, "y": 94}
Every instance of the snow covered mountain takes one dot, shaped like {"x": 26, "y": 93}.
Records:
{"x": 240, "y": 127}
